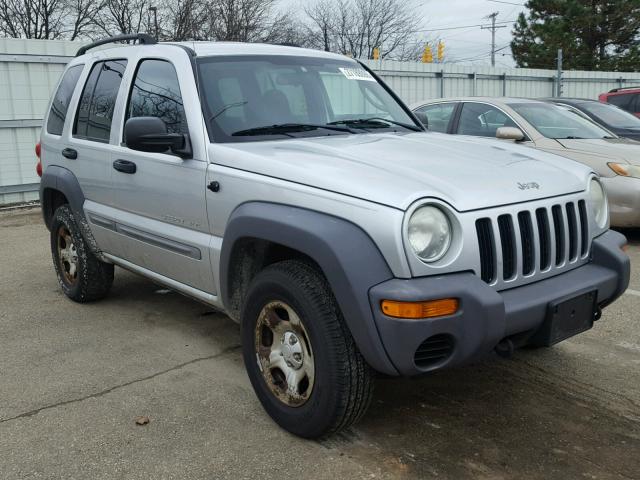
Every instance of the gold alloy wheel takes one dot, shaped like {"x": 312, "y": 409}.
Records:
{"x": 67, "y": 256}
{"x": 284, "y": 354}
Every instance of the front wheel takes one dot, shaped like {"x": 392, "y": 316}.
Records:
{"x": 300, "y": 357}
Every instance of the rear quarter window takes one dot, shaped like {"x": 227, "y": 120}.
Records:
{"x": 60, "y": 104}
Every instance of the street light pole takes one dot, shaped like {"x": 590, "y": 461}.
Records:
{"x": 155, "y": 19}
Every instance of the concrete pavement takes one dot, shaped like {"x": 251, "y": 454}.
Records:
{"x": 74, "y": 377}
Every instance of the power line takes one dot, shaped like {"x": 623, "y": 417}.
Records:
{"x": 463, "y": 26}
{"x": 507, "y": 3}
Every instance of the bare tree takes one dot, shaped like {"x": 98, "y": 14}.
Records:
{"x": 356, "y": 27}
{"x": 83, "y": 15}
{"x": 182, "y": 20}
{"x": 123, "y": 16}
{"x": 40, "y": 19}
{"x": 243, "y": 20}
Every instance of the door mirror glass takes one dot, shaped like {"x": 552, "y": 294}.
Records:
{"x": 509, "y": 133}
{"x": 424, "y": 119}
{"x": 149, "y": 134}
{"x": 436, "y": 117}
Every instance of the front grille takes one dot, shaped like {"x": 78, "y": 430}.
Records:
{"x": 434, "y": 349}
{"x": 527, "y": 242}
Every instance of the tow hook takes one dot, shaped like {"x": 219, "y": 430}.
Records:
{"x": 505, "y": 348}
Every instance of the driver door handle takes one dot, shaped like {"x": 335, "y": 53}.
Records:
{"x": 124, "y": 166}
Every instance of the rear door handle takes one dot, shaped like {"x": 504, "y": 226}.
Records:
{"x": 125, "y": 166}
{"x": 70, "y": 153}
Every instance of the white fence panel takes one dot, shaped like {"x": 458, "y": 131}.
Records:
{"x": 29, "y": 71}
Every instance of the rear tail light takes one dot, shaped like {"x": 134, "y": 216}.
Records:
{"x": 39, "y": 164}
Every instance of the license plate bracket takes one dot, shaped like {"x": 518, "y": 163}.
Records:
{"x": 567, "y": 317}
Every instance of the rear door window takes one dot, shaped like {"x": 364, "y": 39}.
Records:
{"x": 60, "y": 104}
{"x": 482, "y": 120}
{"x": 437, "y": 117}
{"x": 624, "y": 101}
{"x": 156, "y": 93}
{"x": 95, "y": 110}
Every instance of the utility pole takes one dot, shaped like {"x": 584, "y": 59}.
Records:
{"x": 493, "y": 27}
{"x": 559, "y": 77}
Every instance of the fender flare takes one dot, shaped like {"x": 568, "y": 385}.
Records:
{"x": 63, "y": 180}
{"x": 348, "y": 257}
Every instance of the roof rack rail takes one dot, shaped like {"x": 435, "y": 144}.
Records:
{"x": 143, "y": 38}
{"x": 614, "y": 90}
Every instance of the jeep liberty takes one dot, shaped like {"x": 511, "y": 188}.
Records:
{"x": 294, "y": 191}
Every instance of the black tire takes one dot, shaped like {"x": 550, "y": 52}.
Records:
{"x": 342, "y": 383}
{"x": 82, "y": 276}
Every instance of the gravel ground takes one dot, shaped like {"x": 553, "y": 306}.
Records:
{"x": 73, "y": 378}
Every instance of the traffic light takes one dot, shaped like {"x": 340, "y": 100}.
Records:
{"x": 440, "y": 51}
{"x": 427, "y": 56}
{"x": 376, "y": 53}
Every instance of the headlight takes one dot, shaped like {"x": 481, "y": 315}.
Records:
{"x": 598, "y": 203}
{"x": 429, "y": 233}
{"x": 625, "y": 169}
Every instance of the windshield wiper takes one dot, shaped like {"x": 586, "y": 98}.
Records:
{"x": 375, "y": 122}
{"x": 570, "y": 137}
{"x": 285, "y": 128}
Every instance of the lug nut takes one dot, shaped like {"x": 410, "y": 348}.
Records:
{"x": 297, "y": 356}
{"x": 293, "y": 340}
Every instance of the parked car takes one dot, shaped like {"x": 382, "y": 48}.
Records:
{"x": 609, "y": 116}
{"x": 552, "y": 128}
{"x": 291, "y": 189}
{"x": 627, "y": 98}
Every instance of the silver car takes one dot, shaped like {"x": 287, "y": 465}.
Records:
{"x": 292, "y": 190}
{"x": 552, "y": 128}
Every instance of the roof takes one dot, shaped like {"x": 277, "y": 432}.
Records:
{"x": 490, "y": 100}
{"x": 570, "y": 100}
{"x": 205, "y": 49}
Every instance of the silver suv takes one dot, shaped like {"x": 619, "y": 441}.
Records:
{"x": 293, "y": 190}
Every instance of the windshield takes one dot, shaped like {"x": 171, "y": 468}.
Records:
{"x": 558, "y": 122}
{"x": 611, "y": 115}
{"x": 249, "y": 98}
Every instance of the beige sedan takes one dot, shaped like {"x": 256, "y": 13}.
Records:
{"x": 552, "y": 128}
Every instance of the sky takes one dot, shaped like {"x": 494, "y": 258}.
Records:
{"x": 468, "y": 45}
{"x": 471, "y": 43}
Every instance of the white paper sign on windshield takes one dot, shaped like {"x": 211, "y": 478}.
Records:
{"x": 357, "y": 74}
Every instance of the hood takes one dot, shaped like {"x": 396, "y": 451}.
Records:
{"x": 614, "y": 149}
{"x": 397, "y": 169}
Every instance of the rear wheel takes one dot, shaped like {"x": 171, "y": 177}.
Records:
{"x": 82, "y": 276}
{"x": 301, "y": 359}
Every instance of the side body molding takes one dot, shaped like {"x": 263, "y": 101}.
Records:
{"x": 348, "y": 257}
{"x": 60, "y": 179}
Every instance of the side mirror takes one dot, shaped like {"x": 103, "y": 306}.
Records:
{"x": 510, "y": 133}
{"x": 424, "y": 119}
{"x": 149, "y": 134}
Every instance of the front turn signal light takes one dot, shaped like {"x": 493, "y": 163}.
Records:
{"x": 417, "y": 310}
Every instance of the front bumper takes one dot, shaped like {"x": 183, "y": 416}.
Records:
{"x": 624, "y": 200}
{"x": 487, "y": 316}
